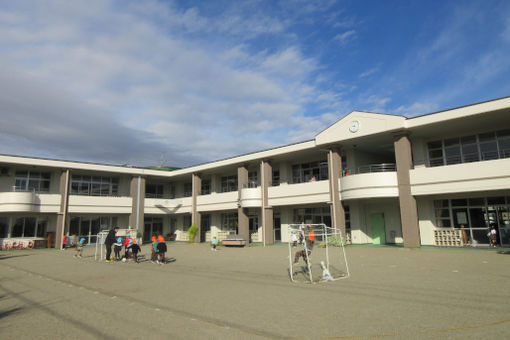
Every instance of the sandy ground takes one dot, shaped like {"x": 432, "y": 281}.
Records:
{"x": 245, "y": 293}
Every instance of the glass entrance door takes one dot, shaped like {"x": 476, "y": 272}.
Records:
{"x": 504, "y": 225}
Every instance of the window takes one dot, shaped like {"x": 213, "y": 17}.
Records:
{"x": 154, "y": 191}
{"x": 309, "y": 172}
{"x": 206, "y": 187}
{"x": 229, "y": 222}
{"x": 89, "y": 226}
{"x": 32, "y": 181}
{"x": 504, "y": 143}
{"x": 252, "y": 179}
{"x": 474, "y": 148}
{"x": 347, "y": 219}
{"x": 186, "y": 220}
{"x": 171, "y": 191}
{"x": 313, "y": 215}
{"x": 229, "y": 183}
{"x": 4, "y": 227}
{"x": 188, "y": 189}
{"x": 276, "y": 178}
{"x": 94, "y": 185}
{"x": 28, "y": 227}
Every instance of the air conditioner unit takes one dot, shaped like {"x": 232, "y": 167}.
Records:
{"x": 4, "y": 171}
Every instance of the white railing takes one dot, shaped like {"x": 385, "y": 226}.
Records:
{"x": 364, "y": 169}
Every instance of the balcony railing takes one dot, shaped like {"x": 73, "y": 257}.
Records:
{"x": 364, "y": 169}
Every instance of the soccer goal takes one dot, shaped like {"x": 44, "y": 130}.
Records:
{"x": 316, "y": 253}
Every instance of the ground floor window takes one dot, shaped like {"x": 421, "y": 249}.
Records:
{"x": 229, "y": 222}
{"x": 28, "y": 227}
{"x": 4, "y": 227}
{"x": 89, "y": 226}
{"x": 476, "y": 217}
{"x": 313, "y": 215}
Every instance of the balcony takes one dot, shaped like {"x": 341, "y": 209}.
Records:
{"x": 168, "y": 205}
{"x": 370, "y": 168}
{"x": 217, "y": 201}
{"x": 460, "y": 178}
{"x": 369, "y": 185}
{"x": 18, "y": 200}
{"x": 300, "y": 193}
{"x": 100, "y": 204}
{"x": 251, "y": 197}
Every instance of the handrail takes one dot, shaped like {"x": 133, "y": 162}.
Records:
{"x": 382, "y": 167}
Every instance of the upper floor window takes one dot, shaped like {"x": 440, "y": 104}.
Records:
{"x": 252, "y": 179}
{"x": 188, "y": 189}
{"x": 206, "y": 187}
{"x": 32, "y": 181}
{"x": 229, "y": 183}
{"x": 310, "y": 172}
{"x": 276, "y": 178}
{"x": 154, "y": 191}
{"x": 481, "y": 147}
{"x": 94, "y": 185}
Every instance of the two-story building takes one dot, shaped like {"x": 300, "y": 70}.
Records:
{"x": 437, "y": 179}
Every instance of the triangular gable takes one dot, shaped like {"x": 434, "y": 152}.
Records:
{"x": 358, "y": 124}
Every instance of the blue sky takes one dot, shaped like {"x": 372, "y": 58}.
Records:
{"x": 186, "y": 82}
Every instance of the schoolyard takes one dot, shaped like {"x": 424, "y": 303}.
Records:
{"x": 245, "y": 293}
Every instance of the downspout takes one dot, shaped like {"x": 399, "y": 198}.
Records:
{"x": 138, "y": 202}
{"x": 64, "y": 212}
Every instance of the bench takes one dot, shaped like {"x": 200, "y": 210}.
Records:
{"x": 234, "y": 241}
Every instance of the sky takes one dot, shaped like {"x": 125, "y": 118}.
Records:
{"x": 180, "y": 83}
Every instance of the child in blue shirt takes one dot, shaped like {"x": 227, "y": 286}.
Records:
{"x": 214, "y": 243}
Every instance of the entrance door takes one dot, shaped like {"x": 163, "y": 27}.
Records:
{"x": 504, "y": 226}
{"x": 254, "y": 227}
{"x": 205, "y": 226}
{"x": 378, "y": 229}
{"x": 277, "y": 228}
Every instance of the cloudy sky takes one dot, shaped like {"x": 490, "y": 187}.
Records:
{"x": 185, "y": 82}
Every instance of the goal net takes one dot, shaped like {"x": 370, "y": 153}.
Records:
{"x": 316, "y": 253}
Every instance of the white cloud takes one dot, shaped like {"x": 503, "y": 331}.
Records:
{"x": 345, "y": 37}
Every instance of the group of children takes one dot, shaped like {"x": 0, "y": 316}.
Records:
{"x": 158, "y": 250}
{"x": 131, "y": 249}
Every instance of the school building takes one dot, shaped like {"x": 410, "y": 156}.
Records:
{"x": 437, "y": 179}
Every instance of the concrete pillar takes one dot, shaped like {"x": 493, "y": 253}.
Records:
{"x": 242, "y": 215}
{"x": 62, "y": 214}
{"x": 196, "y": 188}
{"x": 408, "y": 208}
{"x": 266, "y": 171}
{"x": 335, "y": 170}
{"x": 137, "y": 190}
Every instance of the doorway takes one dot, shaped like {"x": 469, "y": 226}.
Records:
{"x": 277, "y": 228}
{"x": 205, "y": 226}
{"x": 378, "y": 228}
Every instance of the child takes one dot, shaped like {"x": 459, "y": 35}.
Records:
{"x": 294, "y": 239}
{"x": 135, "y": 248}
{"x": 79, "y": 248}
{"x": 214, "y": 243}
{"x": 154, "y": 249}
{"x": 117, "y": 247}
{"x": 127, "y": 242}
{"x": 64, "y": 243}
{"x": 161, "y": 248}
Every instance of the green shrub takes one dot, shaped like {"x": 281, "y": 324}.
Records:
{"x": 192, "y": 231}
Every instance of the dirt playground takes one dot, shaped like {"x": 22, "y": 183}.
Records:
{"x": 245, "y": 293}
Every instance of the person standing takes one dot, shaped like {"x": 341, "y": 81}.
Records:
{"x": 110, "y": 240}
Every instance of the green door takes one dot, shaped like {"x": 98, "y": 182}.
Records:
{"x": 378, "y": 230}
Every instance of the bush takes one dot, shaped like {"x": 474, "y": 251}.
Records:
{"x": 192, "y": 232}
{"x": 333, "y": 241}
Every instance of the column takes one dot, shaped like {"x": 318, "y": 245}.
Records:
{"x": 266, "y": 171}
{"x": 335, "y": 169}
{"x": 196, "y": 188}
{"x": 242, "y": 216}
{"x": 408, "y": 209}
{"x": 62, "y": 214}
{"x": 137, "y": 190}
